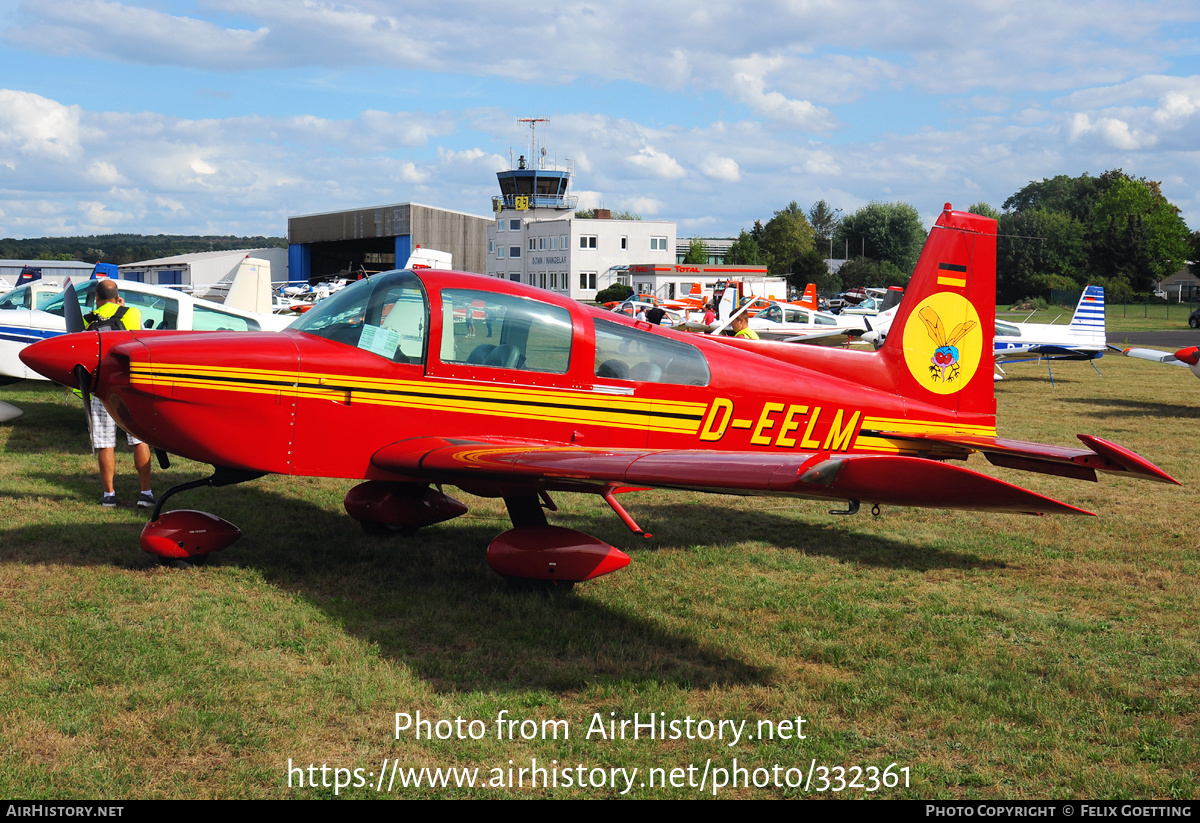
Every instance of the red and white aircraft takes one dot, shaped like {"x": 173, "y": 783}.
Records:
{"x": 557, "y": 397}
{"x": 1188, "y": 356}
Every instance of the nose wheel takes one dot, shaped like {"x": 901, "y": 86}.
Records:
{"x": 185, "y": 537}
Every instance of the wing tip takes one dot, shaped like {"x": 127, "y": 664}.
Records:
{"x": 1131, "y": 462}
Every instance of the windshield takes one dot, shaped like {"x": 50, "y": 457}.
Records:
{"x": 16, "y": 299}
{"x": 55, "y": 306}
{"x": 157, "y": 311}
{"x": 387, "y": 315}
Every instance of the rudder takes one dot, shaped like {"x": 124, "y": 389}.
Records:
{"x": 940, "y": 344}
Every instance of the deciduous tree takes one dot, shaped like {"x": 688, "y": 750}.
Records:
{"x": 889, "y": 232}
{"x": 696, "y": 255}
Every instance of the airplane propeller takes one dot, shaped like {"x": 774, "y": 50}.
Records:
{"x": 84, "y": 378}
{"x": 74, "y": 320}
{"x": 71, "y": 313}
{"x": 871, "y": 336}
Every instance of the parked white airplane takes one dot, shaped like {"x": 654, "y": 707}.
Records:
{"x": 1082, "y": 339}
{"x": 783, "y": 320}
{"x": 161, "y": 308}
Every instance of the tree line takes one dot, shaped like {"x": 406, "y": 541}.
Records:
{"x": 1114, "y": 230}
{"x": 881, "y": 240}
{"x": 127, "y": 248}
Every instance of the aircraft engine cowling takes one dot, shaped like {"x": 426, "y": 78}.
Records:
{"x": 553, "y": 553}
{"x": 404, "y": 505}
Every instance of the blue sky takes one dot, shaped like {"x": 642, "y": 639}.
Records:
{"x": 227, "y": 117}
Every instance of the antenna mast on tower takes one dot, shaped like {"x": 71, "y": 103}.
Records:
{"x": 533, "y": 152}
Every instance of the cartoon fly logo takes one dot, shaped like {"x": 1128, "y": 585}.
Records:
{"x": 944, "y": 363}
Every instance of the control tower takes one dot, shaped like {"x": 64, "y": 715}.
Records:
{"x": 531, "y": 186}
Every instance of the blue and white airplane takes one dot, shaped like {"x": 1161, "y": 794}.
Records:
{"x": 1082, "y": 339}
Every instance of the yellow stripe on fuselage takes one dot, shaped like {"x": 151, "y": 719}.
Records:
{"x": 554, "y": 405}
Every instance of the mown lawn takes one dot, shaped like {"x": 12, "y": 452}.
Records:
{"x": 992, "y": 656}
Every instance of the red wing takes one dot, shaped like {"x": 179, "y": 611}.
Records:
{"x": 886, "y": 479}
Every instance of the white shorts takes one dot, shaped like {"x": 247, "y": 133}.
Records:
{"x": 104, "y": 428}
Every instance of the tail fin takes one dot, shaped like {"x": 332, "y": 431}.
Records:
{"x": 250, "y": 286}
{"x": 940, "y": 344}
{"x": 1088, "y": 322}
{"x": 727, "y": 304}
{"x": 809, "y": 300}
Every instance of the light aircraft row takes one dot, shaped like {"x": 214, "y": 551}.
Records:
{"x": 558, "y": 397}
{"x": 34, "y": 312}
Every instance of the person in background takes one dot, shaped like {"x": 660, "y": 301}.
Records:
{"x": 741, "y": 327}
{"x": 112, "y": 313}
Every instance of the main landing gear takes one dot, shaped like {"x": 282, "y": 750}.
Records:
{"x": 532, "y": 553}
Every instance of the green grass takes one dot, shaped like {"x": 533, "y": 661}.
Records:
{"x": 995, "y": 656}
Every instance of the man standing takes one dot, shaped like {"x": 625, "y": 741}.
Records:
{"x": 112, "y": 313}
{"x": 741, "y": 327}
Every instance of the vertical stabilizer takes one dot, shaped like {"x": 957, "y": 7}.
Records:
{"x": 809, "y": 300}
{"x": 1087, "y": 326}
{"x": 940, "y": 344}
{"x": 250, "y": 289}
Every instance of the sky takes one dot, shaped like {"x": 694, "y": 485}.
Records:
{"x": 229, "y": 116}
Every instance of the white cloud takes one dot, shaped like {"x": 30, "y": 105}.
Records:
{"x": 1176, "y": 108}
{"x": 35, "y": 126}
{"x": 657, "y": 163}
{"x": 645, "y": 206}
{"x": 721, "y": 168}
{"x": 102, "y": 171}
{"x": 1111, "y": 131}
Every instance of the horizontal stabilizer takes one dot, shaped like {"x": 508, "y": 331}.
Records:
{"x": 1101, "y": 455}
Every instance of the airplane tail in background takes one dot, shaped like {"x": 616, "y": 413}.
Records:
{"x": 809, "y": 300}
{"x": 1088, "y": 322}
{"x": 250, "y": 286}
{"x": 940, "y": 344}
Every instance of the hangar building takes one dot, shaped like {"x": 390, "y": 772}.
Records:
{"x": 199, "y": 271}
{"x": 381, "y": 238}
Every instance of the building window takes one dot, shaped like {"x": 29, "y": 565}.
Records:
{"x": 499, "y": 225}
{"x": 658, "y": 244}
{"x": 553, "y": 242}
{"x": 491, "y": 247}
{"x": 624, "y": 244}
{"x": 542, "y": 279}
{"x": 587, "y": 280}
{"x": 533, "y": 244}
{"x": 500, "y": 252}
{"x": 541, "y": 244}
{"x": 514, "y": 225}
{"x": 562, "y": 242}
{"x": 587, "y": 241}
{"x": 514, "y": 251}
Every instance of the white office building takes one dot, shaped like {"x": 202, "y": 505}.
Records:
{"x": 538, "y": 240}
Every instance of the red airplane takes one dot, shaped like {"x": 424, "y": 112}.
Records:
{"x": 552, "y": 396}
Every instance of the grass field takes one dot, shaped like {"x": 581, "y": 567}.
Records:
{"x": 991, "y": 656}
